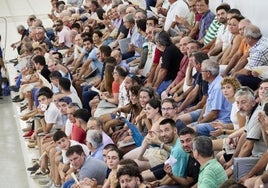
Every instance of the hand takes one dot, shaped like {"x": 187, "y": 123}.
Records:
{"x": 228, "y": 164}
{"x": 217, "y": 124}
{"x": 255, "y": 74}
{"x": 217, "y": 132}
{"x": 152, "y": 138}
{"x": 167, "y": 169}
{"x": 243, "y": 179}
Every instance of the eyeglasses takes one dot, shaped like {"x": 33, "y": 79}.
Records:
{"x": 57, "y": 25}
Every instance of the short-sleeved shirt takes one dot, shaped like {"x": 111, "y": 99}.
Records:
{"x": 254, "y": 133}
{"x": 179, "y": 168}
{"x": 203, "y": 86}
{"x": 243, "y": 47}
{"x": 258, "y": 54}
{"x": 216, "y": 101}
{"x": 93, "y": 168}
{"x": 53, "y": 116}
{"x": 182, "y": 72}
{"x": 211, "y": 175}
{"x": 205, "y": 22}
{"x": 193, "y": 170}
{"x": 78, "y": 134}
{"x": 65, "y": 159}
{"x": 171, "y": 59}
{"x": 212, "y": 31}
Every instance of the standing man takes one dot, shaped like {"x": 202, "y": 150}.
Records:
{"x": 211, "y": 173}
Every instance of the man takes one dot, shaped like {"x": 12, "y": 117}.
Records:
{"x": 211, "y": 173}
{"x": 129, "y": 177}
{"x": 171, "y": 58}
{"x": 87, "y": 167}
{"x": 213, "y": 39}
{"x": 217, "y": 106}
{"x": 40, "y": 37}
{"x": 177, "y": 8}
{"x": 251, "y": 142}
{"x": 202, "y": 7}
{"x": 258, "y": 56}
{"x": 186, "y": 136}
{"x": 62, "y": 163}
{"x": 168, "y": 140}
{"x": 62, "y": 31}
{"x": 95, "y": 124}
{"x": 95, "y": 143}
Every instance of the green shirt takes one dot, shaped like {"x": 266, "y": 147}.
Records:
{"x": 211, "y": 175}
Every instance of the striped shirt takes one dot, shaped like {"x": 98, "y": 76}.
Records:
{"x": 212, "y": 31}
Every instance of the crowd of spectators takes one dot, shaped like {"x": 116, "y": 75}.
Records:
{"x": 143, "y": 93}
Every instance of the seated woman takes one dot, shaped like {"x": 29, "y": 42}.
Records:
{"x": 109, "y": 101}
{"x": 148, "y": 157}
{"x": 234, "y": 129}
{"x": 109, "y": 120}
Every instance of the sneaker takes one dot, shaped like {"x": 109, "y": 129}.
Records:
{"x": 39, "y": 174}
{"x": 31, "y": 145}
{"x": 27, "y": 129}
{"x": 45, "y": 181}
{"x": 34, "y": 168}
{"x": 13, "y": 88}
{"x": 28, "y": 134}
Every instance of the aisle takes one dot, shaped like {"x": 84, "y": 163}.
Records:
{"x": 12, "y": 173}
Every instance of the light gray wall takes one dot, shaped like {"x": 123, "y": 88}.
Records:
{"x": 255, "y": 10}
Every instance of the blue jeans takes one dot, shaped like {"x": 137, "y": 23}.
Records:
{"x": 68, "y": 184}
{"x": 163, "y": 86}
{"x": 87, "y": 95}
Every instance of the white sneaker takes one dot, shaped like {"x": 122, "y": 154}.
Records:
{"x": 39, "y": 174}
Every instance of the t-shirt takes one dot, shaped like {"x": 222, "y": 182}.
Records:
{"x": 171, "y": 59}
{"x": 211, "y": 175}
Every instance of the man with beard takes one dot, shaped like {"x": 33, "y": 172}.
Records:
{"x": 168, "y": 140}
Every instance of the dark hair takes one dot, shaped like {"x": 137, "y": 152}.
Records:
{"x": 128, "y": 162}
{"x": 230, "y": 183}
{"x": 55, "y": 75}
{"x": 155, "y": 103}
{"x": 118, "y": 151}
{"x": 39, "y": 59}
{"x": 130, "y": 170}
{"x": 122, "y": 71}
{"x": 170, "y": 100}
{"x": 45, "y": 89}
{"x": 141, "y": 24}
{"x": 238, "y": 17}
{"x": 110, "y": 146}
{"x": 206, "y": 1}
{"x": 76, "y": 25}
{"x": 148, "y": 90}
{"x": 88, "y": 39}
{"x": 58, "y": 135}
{"x": 168, "y": 121}
{"x": 65, "y": 83}
{"x": 82, "y": 114}
{"x": 87, "y": 34}
{"x": 48, "y": 93}
{"x": 223, "y": 6}
{"x": 110, "y": 60}
{"x": 135, "y": 79}
{"x": 200, "y": 56}
{"x": 187, "y": 130}
{"x": 163, "y": 38}
{"x": 234, "y": 11}
{"x": 203, "y": 145}
{"x": 59, "y": 54}
{"x": 100, "y": 12}
{"x": 98, "y": 32}
{"x": 75, "y": 149}
{"x": 135, "y": 89}
{"x": 106, "y": 50}
{"x": 154, "y": 19}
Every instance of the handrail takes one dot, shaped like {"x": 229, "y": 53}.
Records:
{"x": 5, "y": 45}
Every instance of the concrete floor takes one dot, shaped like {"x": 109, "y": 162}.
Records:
{"x": 12, "y": 173}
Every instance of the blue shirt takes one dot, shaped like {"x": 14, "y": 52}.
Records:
{"x": 205, "y": 22}
{"x": 216, "y": 101}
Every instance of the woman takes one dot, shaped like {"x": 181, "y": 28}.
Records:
{"x": 113, "y": 158}
{"x": 97, "y": 38}
{"x": 107, "y": 98}
{"x": 229, "y": 87}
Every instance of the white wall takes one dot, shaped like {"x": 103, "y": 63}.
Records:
{"x": 255, "y": 10}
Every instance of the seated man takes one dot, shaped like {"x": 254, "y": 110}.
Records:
{"x": 87, "y": 167}
{"x": 217, "y": 106}
{"x": 210, "y": 167}
{"x": 171, "y": 58}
